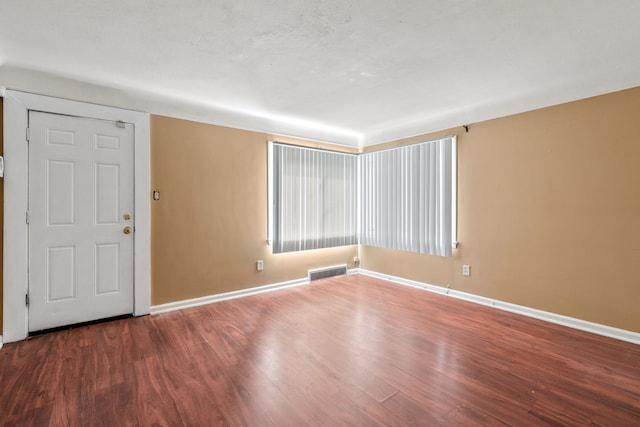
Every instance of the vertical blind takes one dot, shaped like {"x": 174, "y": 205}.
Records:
{"x": 408, "y": 197}
{"x": 313, "y": 200}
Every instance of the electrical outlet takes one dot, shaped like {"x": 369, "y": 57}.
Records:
{"x": 466, "y": 270}
{"x": 356, "y": 260}
{"x": 259, "y": 265}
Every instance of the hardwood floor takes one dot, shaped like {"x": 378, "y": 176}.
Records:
{"x": 344, "y": 351}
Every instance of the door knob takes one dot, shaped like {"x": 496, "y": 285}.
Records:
{"x": 127, "y": 230}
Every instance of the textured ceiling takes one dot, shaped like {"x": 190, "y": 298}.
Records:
{"x": 353, "y": 72}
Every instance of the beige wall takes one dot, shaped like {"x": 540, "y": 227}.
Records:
{"x": 210, "y": 225}
{"x": 1, "y": 212}
{"x": 549, "y": 212}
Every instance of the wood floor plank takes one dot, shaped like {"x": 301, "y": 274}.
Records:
{"x": 342, "y": 351}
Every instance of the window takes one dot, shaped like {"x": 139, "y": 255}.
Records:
{"x": 408, "y": 197}
{"x": 313, "y": 198}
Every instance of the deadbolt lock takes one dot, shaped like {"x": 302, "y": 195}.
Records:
{"x": 126, "y": 217}
{"x": 127, "y": 230}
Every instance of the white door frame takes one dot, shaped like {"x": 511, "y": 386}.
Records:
{"x": 16, "y": 178}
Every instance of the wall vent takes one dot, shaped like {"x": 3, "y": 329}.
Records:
{"x": 323, "y": 273}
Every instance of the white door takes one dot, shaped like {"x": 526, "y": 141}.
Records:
{"x": 80, "y": 207}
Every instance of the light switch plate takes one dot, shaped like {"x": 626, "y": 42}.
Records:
{"x": 466, "y": 270}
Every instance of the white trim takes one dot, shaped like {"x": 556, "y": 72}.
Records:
{"x": 406, "y": 282}
{"x": 0, "y": 335}
{"x": 353, "y": 271}
{"x": 269, "y": 192}
{"x": 571, "y": 322}
{"x": 142, "y": 201}
{"x": 16, "y": 107}
{"x": 454, "y": 192}
{"x": 196, "y": 302}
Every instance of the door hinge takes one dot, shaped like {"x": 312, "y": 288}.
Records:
{"x": 27, "y": 217}
{"x": 28, "y": 134}
{"x": 26, "y": 299}
{"x": 121, "y": 124}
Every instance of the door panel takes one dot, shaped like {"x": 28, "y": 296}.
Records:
{"x": 80, "y": 189}
{"x": 107, "y": 194}
{"x": 107, "y": 268}
{"x": 60, "y": 278}
{"x": 60, "y": 182}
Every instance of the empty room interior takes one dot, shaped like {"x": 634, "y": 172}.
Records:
{"x": 273, "y": 213}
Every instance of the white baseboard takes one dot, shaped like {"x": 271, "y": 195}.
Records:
{"x": 0, "y": 342}
{"x": 195, "y": 302}
{"x": 571, "y": 322}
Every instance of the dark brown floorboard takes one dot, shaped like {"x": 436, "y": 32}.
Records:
{"x": 344, "y": 351}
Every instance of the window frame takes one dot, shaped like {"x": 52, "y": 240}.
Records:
{"x": 359, "y": 187}
{"x": 400, "y": 189}
{"x": 271, "y": 202}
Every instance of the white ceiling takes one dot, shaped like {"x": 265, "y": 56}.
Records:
{"x": 353, "y": 72}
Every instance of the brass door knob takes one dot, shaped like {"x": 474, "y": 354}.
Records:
{"x": 127, "y": 230}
